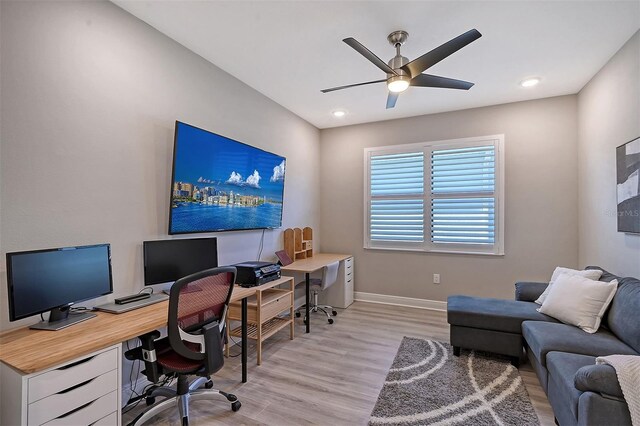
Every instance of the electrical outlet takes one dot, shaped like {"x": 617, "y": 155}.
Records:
{"x": 436, "y": 278}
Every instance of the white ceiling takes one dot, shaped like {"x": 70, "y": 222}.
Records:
{"x": 289, "y": 50}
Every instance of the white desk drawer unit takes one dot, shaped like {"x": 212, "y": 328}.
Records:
{"x": 340, "y": 294}
{"x": 84, "y": 391}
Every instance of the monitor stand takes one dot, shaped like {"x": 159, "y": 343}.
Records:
{"x": 60, "y": 318}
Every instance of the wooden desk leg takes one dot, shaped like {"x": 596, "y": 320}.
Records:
{"x": 244, "y": 340}
{"x": 307, "y": 285}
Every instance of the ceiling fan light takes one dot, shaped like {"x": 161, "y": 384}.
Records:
{"x": 398, "y": 83}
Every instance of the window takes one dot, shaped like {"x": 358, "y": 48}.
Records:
{"x": 444, "y": 196}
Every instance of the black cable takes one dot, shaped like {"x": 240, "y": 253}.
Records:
{"x": 166, "y": 381}
{"x": 261, "y": 245}
{"x": 234, "y": 344}
{"x": 146, "y": 288}
{"x": 132, "y": 385}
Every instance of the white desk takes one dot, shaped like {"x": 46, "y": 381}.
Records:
{"x": 312, "y": 264}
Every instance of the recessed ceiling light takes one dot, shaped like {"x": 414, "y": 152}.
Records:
{"x": 530, "y": 82}
{"x": 339, "y": 113}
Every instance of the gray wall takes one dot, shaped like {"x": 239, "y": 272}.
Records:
{"x": 541, "y": 199}
{"x": 89, "y": 99}
{"x": 609, "y": 115}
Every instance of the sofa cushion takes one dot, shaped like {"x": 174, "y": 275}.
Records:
{"x": 620, "y": 312}
{"x": 562, "y": 369}
{"x": 624, "y": 314}
{"x": 592, "y": 274}
{"x": 606, "y": 275}
{"x": 544, "y": 337}
{"x": 579, "y": 301}
{"x": 492, "y": 314}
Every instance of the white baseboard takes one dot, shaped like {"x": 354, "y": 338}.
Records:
{"x": 386, "y": 299}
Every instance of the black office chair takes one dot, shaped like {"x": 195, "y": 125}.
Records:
{"x": 198, "y": 306}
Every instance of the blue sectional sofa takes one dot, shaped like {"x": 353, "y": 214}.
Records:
{"x": 563, "y": 356}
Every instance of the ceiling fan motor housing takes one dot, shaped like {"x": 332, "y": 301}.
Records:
{"x": 397, "y": 39}
{"x": 397, "y": 62}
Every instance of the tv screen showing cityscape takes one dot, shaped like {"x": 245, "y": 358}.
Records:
{"x": 219, "y": 184}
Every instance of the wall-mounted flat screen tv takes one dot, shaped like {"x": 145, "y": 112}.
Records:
{"x": 219, "y": 184}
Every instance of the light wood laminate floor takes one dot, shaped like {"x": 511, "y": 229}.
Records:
{"x": 331, "y": 376}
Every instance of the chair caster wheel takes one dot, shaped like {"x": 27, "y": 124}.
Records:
{"x": 150, "y": 400}
{"x": 231, "y": 397}
{"x": 209, "y": 384}
{"x": 297, "y": 314}
{"x": 330, "y": 320}
{"x": 334, "y": 313}
{"x": 235, "y": 406}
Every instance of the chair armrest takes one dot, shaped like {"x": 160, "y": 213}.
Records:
{"x": 146, "y": 352}
{"x": 598, "y": 378}
{"x": 529, "y": 291}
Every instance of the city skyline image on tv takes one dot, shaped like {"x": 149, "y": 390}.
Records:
{"x": 220, "y": 184}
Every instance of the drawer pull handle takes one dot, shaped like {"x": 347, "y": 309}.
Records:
{"x": 73, "y": 364}
{"x": 75, "y": 409}
{"x": 76, "y": 386}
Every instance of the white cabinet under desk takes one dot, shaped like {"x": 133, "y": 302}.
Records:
{"x": 83, "y": 391}
{"x": 340, "y": 294}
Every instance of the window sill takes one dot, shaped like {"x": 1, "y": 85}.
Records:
{"x": 470, "y": 252}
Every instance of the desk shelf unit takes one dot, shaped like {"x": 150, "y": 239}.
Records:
{"x": 298, "y": 243}
{"x": 269, "y": 311}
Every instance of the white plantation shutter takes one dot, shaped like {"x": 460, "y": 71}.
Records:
{"x": 396, "y": 197}
{"x": 462, "y": 187}
{"x": 463, "y": 220}
{"x": 436, "y": 196}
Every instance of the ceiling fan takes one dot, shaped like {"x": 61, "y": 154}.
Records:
{"x": 401, "y": 73}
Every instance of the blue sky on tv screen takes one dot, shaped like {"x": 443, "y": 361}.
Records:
{"x": 206, "y": 159}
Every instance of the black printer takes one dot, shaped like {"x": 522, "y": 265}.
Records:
{"x": 251, "y": 274}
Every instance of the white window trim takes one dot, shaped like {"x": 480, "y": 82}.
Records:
{"x": 496, "y": 249}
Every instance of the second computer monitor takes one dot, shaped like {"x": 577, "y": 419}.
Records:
{"x": 166, "y": 261}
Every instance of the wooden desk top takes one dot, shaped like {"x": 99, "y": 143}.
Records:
{"x": 317, "y": 261}
{"x": 30, "y": 350}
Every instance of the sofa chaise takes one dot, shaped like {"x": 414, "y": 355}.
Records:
{"x": 563, "y": 356}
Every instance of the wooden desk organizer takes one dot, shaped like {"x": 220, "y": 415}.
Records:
{"x": 298, "y": 243}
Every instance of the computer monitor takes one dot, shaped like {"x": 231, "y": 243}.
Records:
{"x": 54, "y": 279}
{"x": 166, "y": 261}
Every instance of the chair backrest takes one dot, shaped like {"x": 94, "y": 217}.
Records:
{"x": 197, "y": 303}
{"x": 329, "y": 275}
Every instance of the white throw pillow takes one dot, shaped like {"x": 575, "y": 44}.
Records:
{"x": 579, "y": 301}
{"x": 592, "y": 274}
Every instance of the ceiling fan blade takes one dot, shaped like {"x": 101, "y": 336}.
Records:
{"x": 352, "y": 85}
{"x": 391, "y": 99}
{"x": 428, "y": 80}
{"x": 369, "y": 55}
{"x": 431, "y": 58}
